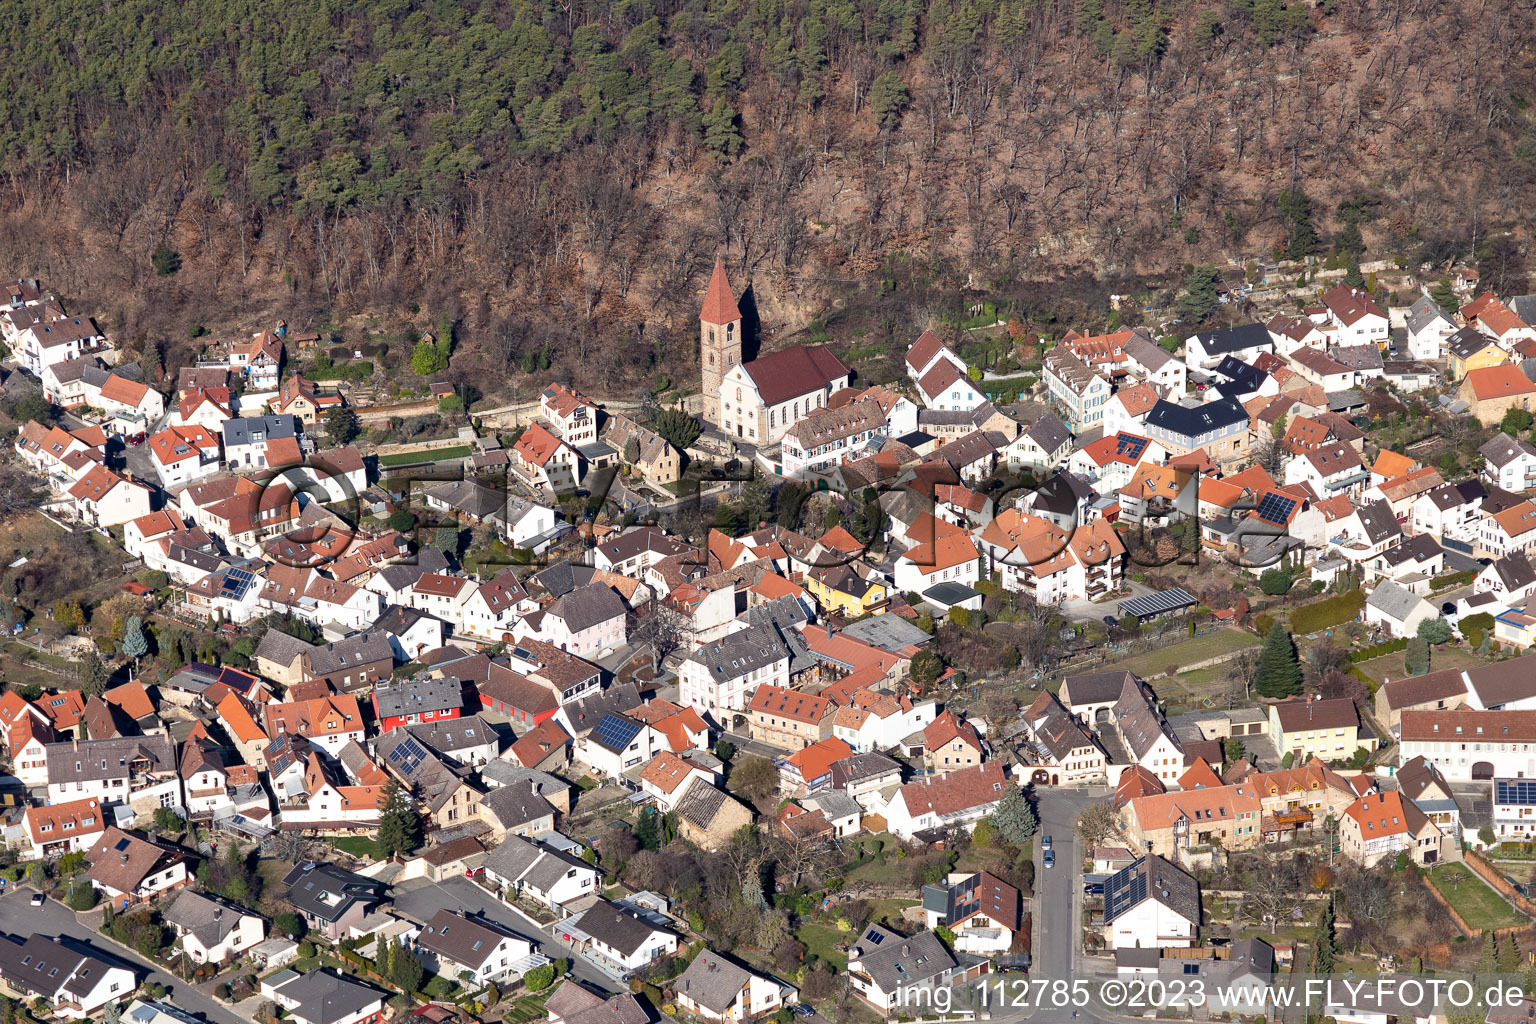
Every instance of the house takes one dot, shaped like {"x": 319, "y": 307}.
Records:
{"x": 413, "y": 701}
{"x": 1491, "y": 316}
{"x": 1511, "y": 580}
{"x": 643, "y": 450}
{"x": 1430, "y": 791}
{"x": 1494, "y": 390}
{"x": 926, "y": 353}
{"x": 668, "y": 776}
{"x": 708, "y": 817}
{"x": 55, "y": 829}
{"x": 1470, "y": 349}
{"x": 45, "y": 343}
{"x": 184, "y": 454}
{"x": 212, "y": 931}
{"x": 1290, "y": 333}
{"x": 1428, "y": 329}
{"x": 761, "y": 399}
{"x": 1329, "y": 470}
{"x": 941, "y": 552}
{"x": 1219, "y": 428}
{"x": 1507, "y": 530}
{"x": 1079, "y": 391}
{"x": 619, "y": 743}
{"x": 788, "y": 719}
{"x": 325, "y": 997}
{"x": 982, "y": 911}
{"x": 569, "y": 414}
{"x": 1042, "y": 445}
{"x": 574, "y": 1004}
{"x": 1514, "y": 809}
{"x": 331, "y": 900}
{"x": 716, "y": 988}
{"x": 1379, "y": 826}
{"x": 1328, "y": 729}
{"x": 950, "y": 743}
{"x": 1509, "y": 462}
{"x": 954, "y": 801}
{"x": 1449, "y": 511}
{"x": 1063, "y": 753}
{"x": 259, "y": 442}
{"x": 528, "y": 868}
{"x": 103, "y": 499}
{"x": 1326, "y": 372}
{"x": 544, "y": 462}
{"x": 329, "y": 723}
{"x": 259, "y": 359}
{"x": 1441, "y": 690}
{"x": 452, "y": 944}
{"x": 620, "y": 935}
{"x": 301, "y": 397}
{"x": 1203, "y": 351}
{"x": 141, "y": 771}
{"x": 520, "y": 810}
{"x": 1151, "y": 903}
{"x": 1126, "y": 411}
{"x": 885, "y": 968}
{"x": 1355, "y": 315}
{"x": 73, "y": 984}
{"x": 823, "y": 439}
{"x": 1147, "y": 360}
{"x": 948, "y": 389}
{"x": 1397, "y": 609}
{"x": 590, "y": 620}
{"x": 129, "y": 868}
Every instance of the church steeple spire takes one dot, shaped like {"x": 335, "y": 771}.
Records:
{"x": 719, "y": 302}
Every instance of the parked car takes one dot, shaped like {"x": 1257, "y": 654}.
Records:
{"x": 1049, "y": 860}
{"x": 1448, "y": 608}
{"x": 37, "y": 899}
{"x": 1045, "y": 844}
{"x": 1110, "y": 620}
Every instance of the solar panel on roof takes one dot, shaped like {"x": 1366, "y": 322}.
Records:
{"x": 408, "y": 755}
{"x": 1276, "y": 508}
{"x": 1131, "y": 447}
{"x": 1156, "y": 604}
{"x": 1516, "y": 791}
{"x": 615, "y": 733}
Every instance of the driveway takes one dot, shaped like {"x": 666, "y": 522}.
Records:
{"x": 55, "y": 921}
{"x": 420, "y": 900}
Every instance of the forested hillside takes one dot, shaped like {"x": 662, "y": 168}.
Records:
{"x": 565, "y": 172}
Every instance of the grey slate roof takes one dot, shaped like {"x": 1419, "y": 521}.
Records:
{"x": 403, "y": 574}
{"x": 1467, "y": 342}
{"x": 1049, "y": 432}
{"x": 1378, "y": 521}
{"x": 588, "y": 606}
{"x": 281, "y": 648}
{"x": 95, "y": 760}
{"x": 515, "y": 806}
{"x": 464, "y": 940}
{"x": 357, "y": 649}
{"x": 858, "y": 767}
{"x": 712, "y": 981}
{"x": 309, "y": 881}
{"x": 469, "y": 497}
{"x": 888, "y": 632}
{"x": 419, "y": 695}
{"x": 585, "y": 712}
{"x": 740, "y": 653}
{"x": 452, "y": 734}
{"x": 324, "y": 997}
{"x": 1501, "y": 450}
{"x": 619, "y": 927}
{"x": 246, "y": 429}
{"x": 1211, "y": 416}
{"x": 193, "y": 912}
{"x": 1514, "y": 571}
{"x": 1393, "y": 600}
{"x": 893, "y": 962}
{"x": 1424, "y": 312}
{"x": 1234, "y": 339}
{"x": 700, "y": 803}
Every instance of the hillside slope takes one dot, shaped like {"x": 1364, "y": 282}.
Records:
{"x": 560, "y": 176}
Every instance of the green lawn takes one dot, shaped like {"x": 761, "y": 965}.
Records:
{"x": 1391, "y": 666}
{"x": 1478, "y": 905}
{"x": 439, "y": 987}
{"x": 1187, "y": 652}
{"x": 528, "y": 1008}
{"x": 359, "y": 846}
{"x": 822, "y": 941}
{"x": 460, "y": 451}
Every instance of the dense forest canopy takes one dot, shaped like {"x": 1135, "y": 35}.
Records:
{"x": 562, "y": 174}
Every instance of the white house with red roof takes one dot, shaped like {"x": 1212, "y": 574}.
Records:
{"x": 569, "y": 415}
{"x": 943, "y": 553}
{"x": 27, "y": 740}
{"x": 181, "y": 455}
{"x": 103, "y": 499}
{"x": 543, "y": 461}
{"x": 491, "y": 611}
{"x": 59, "y": 828}
{"x": 1359, "y": 321}
{"x": 761, "y": 399}
{"x": 927, "y": 352}
{"x": 1491, "y": 316}
{"x": 131, "y": 405}
{"x": 259, "y": 359}
{"x": 1111, "y": 461}
{"x": 44, "y": 450}
{"x": 205, "y": 407}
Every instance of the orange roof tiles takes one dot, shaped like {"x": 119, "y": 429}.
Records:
{"x": 941, "y": 545}
{"x": 719, "y": 301}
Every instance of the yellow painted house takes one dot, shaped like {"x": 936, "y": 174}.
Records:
{"x": 849, "y": 590}
{"x": 1326, "y": 729}
{"x": 1470, "y": 349}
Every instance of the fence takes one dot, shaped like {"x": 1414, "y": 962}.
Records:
{"x": 369, "y": 413}
{"x": 1496, "y": 880}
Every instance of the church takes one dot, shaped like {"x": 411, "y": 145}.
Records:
{"x": 755, "y": 402}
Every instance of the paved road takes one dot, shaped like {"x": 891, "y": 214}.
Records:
{"x": 421, "y": 899}
{"x": 56, "y": 921}
{"x": 747, "y": 745}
